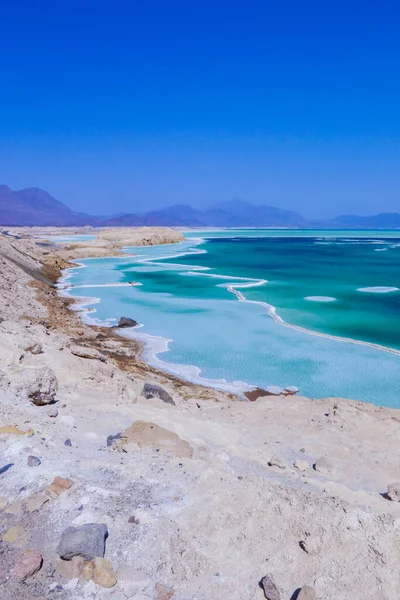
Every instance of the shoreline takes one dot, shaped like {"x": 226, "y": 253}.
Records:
{"x": 297, "y": 487}
{"x": 154, "y": 345}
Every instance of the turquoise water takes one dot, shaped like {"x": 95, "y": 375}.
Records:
{"x": 214, "y": 299}
{"x": 58, "y": 239}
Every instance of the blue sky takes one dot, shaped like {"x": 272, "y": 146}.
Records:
{"x": 124, "y": 106}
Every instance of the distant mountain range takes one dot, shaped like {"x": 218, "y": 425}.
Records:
{"x": 35, "y": 207}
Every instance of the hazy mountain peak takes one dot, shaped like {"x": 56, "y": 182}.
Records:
{"x": 235, "y": 204}
{"x": 34, "y": 206}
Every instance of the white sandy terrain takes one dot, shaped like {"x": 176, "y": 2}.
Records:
{"x": 202, "y": 497}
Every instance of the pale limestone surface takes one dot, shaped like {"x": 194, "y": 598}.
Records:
{"x": 209, "y": 524}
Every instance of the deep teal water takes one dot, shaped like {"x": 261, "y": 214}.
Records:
{"x": 228, "y": 339}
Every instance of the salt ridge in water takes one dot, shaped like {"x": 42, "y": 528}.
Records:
{"x": 160, "y": 344}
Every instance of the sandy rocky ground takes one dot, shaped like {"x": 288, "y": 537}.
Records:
{"x": 204, "y": 496}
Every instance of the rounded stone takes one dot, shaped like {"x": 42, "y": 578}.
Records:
{"x": 324, "y": 466}
{"x": 28, "y": 565}
{"x": 33, "y": 461}
{"x": 103, "y": 573}
{"x": 306, "y": 593}
{"x": 14, "y": 534}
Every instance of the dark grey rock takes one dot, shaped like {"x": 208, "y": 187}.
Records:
{"x": 270, "y": 590}
{"x": 67, "y": 442}
{"x": 151, "y": 390}
{"x": 33, "y": 461}
{"x": 113, "y": 438}
{"x": 88, "y": 541}
{"x": 127, "y": 322}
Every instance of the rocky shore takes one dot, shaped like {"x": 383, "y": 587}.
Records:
{"x": 119, "y": 481}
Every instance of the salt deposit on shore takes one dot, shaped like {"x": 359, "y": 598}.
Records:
{"x": 202, "y": 495}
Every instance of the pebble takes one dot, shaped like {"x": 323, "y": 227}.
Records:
{"x": 393, "y": 492}
{"x": 164, "y": 592}
{"x": 301, "y": 465}
{"x": 33, "y": 461}
{"x": 151, "y": 390}
{"x": 71, "y": 569}
{"x": 103, "y": 573}
{"x": 67, "y": 442}
{"x": 12, "y": 430}
{"x": 14, "y": 534}
{"x": 14, "y": 509}
{"x": 87, "y": 571}
{"x": 324, "y": 466}
{"x": 37, "y": 501}
{"x": 52, "y": 411}
{"x": 306, "y": 593}
{"x": 34, "y": 348}
{"x": 28, "y": 565}
{"x": 270, "y": 590}
{"x": 58, "y": 486}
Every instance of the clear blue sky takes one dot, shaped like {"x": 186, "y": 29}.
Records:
{"x": 125, "y": 105}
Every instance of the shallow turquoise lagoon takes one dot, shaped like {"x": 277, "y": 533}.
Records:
{"x": 214, "y": 296}
{"x": 61, "y": 239}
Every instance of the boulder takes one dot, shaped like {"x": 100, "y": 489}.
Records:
{"x": 88, "y": 541}
{"x": 39, "y": 385}
{"x": 270, "y": 590}
{"x": 150, "y": 390}
{"x": 127, "y": 322}
{"x": 306, "y": 593}
{"x": 28, "y": 565}
{"x": 143, "y": 434}
{"x": 324, "y": 466}
{"x": 393, "y": 492}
